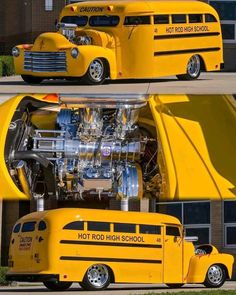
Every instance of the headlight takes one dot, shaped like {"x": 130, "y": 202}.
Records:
{"x": 15, "y": 51}
{"x": 74, "y": 52}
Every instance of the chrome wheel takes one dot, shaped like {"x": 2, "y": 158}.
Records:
{"x": 215, "y": 274}
{"x": 194, "y": 66}
{"x": 98, "y": 276}
{"x": 97, "y": 70}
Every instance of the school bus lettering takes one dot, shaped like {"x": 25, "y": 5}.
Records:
{"x": 122, "y": 44}
{"x": 165, "y": 257}
{"x": 91, "y": 9}
{"x": 25, "y": 243}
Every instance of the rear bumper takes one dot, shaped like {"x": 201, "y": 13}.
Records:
{"x": 32, "y": 277}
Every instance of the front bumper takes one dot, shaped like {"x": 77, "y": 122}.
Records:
{"x": 32, "y": 277}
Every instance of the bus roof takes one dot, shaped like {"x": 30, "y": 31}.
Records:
{"x": 62, "y": 216}
{"x": 143, "y": 7}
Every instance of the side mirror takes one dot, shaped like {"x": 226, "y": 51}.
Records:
{"x": 191, "y": 239}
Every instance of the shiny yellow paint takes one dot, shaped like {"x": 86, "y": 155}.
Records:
{"x": 44, "y": 257}
{"x": 196, "y": 144}
{"x": 128, "y": 49}
{"x": 197, "y": 154}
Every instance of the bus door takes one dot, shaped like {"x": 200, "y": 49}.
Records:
{"x": 23, "y": 246}
{"x": 173, "y": 254}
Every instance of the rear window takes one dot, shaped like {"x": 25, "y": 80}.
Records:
{"x": 104, "y": 21}
{"x": 42, "y": 225}
{"x": 28, "y": 226}
{"x": 98, "y": 226}
{"x": 124, "y": 227}
{"x": 195, "y": 18}
{"x": 137, "y": 20}
{"x": 75, "y": 225}
{"x": 80, "y": 21}
{"x": 161, "y": 19}
{"x": 149, "y": 229}
{"x": 178, "y": 18}
{"x": 16, "y": 229}
{"x": 209, "y": 18}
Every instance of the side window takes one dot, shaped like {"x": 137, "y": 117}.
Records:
{"x": 75, "y": 225}
{"x": 16, "y": 229}
{"x": 195, "y": 18}
{"x": 124, "y": 228}
{"x": 28, "y": 226}
{"x": 42, "y": 225}
{"x": 137, "y": 20}
{"x": 172, "y": 231}
{"x": 149, "y": 229}
{"x": 178, "y": 18}
{"x": 209, "y": 18}
{"x": 161, "y": 19}
{"x": 98, "y": 226}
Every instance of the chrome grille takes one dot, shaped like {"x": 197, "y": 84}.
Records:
{"x": 45, "y": 61}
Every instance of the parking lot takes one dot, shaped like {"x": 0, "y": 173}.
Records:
{"x": 208, "y": 83}
{"x": 118, "y": 289}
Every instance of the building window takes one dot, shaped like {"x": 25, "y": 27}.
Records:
{"x": 49, "y": 5}
{"x": 195, "y": 216}
{"x": 227, "y": 13}
{"x": 230, "y": 223}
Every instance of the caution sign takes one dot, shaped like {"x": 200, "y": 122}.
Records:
{"x": 25, "y": 243}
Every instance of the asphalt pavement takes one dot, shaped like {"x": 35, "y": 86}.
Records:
{"x": 114, "y": 289}
{"x": 208, "y": 83}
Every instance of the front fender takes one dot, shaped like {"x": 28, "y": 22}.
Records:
{"x": 199, "y": 265}
{"x": 90, "y": 52}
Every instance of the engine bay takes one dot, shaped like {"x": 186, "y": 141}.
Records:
{"x": 83, "y": 147}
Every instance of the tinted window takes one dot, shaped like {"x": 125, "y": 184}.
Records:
{"x": 195, "y": 18}
{"x": 28, "y": 226}
{"x": 178, "y": 18}
{"x": 75, "y": 225}
{"x": 172, "y": 231}
{"x": 80, "y": 21}
{"x": 231, "y": 235}
{"x": 202, "y": 234}
{"x": 161, "y": 19}
{"x": 228, "y": 31}
{"x": 137, "y": 20}
{"x": 197, "y": 213}
{"x": 16, "y": 228}
{"x": 104, "y": 21}
{"x": 98, "y": 226}
{"x": 124, "y": 228}
{"x": 42, "y": 225}
{"x": 230, "y": 212}
{"x": 149, "y": 229}
{"x": 171, "y": 209}
{"x": 209, "y": 18}
{"x": 226, "y": 9}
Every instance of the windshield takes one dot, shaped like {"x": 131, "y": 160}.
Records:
{"x": 80, "y": 21}
{"x": 104, "y": 21}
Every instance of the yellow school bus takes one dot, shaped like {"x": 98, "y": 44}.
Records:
{"x": 125, "y": 40}
{"x": 99, "y": 247}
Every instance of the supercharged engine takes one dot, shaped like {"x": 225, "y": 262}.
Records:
{"x": 96, "y": 148}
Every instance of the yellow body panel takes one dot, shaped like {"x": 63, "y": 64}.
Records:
{"x": 134, "y": 51}
{"x": 196, "y": 144}
{"x": 198, "y": 147}
{"x": 69, "y": 253}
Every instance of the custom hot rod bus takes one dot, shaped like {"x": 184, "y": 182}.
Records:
{"x": 99, "y": 247}
{"x": 169, "y": 147}
{"x": 125, "y": 40}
